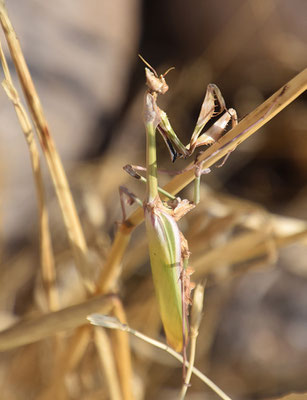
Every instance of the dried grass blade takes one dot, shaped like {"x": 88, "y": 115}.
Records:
{"x": 47, "y": 325}
{"x": 46, "y": 253}
{"x": 106, "y": 358}
{"x": 70, "y": 216}
{"x": 122, "y": 353}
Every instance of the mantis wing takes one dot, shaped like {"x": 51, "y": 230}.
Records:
{"x": 165, "y": 258}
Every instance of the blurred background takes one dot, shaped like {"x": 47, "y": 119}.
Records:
{"x": 83, "y": 60}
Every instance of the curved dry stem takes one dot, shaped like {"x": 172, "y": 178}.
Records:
{"x": 69, "y": 213}
{"x": 46, "y": 252}
{"x": 122, "y": 353}
{"x": 106, "y": 358}
{"x": 47, "y": 325}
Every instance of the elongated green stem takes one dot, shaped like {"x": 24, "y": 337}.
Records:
{"x": 151, "y": 162}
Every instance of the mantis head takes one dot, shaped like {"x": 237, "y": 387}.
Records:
{"x": 155, "y": 83}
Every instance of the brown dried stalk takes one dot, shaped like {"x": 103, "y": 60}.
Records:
{"x": 47, "y": 325}
{"x": 106, "y": 357}
{"x": 70, "y": 216}
{"x": 46, "y": 253}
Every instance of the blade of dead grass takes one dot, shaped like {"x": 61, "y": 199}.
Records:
{"x": 46, "y": 253}
{"x": 106, "y": 358}
{"x": 249, "y": 125}
{"x": 122, "y": 353}
{"x": 70, "y": 216}
{"x": 196, "y": 316}
{"x": 247, "y": 246}
{"x": 47, "y": 325}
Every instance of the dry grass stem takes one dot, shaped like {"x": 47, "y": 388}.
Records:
{"x": 111, "y": 268}
{"x": 196, "y": 315}
{"x": 46, "y": 252}
{"x": 122, "y": 353}
{"x": 249, "y": 246}
{"x": 106, "y": 358}
{"x": 70, "y": 216}
{"x": 47, "y": 325}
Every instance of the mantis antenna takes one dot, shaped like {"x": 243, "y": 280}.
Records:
{"x": 152, "y": 68}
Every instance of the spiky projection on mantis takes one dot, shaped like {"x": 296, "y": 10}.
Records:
{"x": 168, "y": 249}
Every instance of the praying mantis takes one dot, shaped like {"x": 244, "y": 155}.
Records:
{"x": 168, "y": 248}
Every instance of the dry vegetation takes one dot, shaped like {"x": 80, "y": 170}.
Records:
{"x": 49, "y": 350}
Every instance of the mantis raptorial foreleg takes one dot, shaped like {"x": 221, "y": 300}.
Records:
{"x": 208, "y": 110}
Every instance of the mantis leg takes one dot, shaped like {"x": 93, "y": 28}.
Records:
{"x": 132, "y": 170}
{"x": 208, "y": 110}
{"x": 211, "y": 136}
{"x": 214, "y": 133}
{"x": 212, "y": 106}
{"x": 123, "y": 191}
{"x": 175, "y": 147}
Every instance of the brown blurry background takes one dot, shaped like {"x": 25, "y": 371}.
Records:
{"x": 83, "y": 60}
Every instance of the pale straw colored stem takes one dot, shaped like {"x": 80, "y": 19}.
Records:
{"x": 122, "y": 353}
{"x": 196, "y": 316}
{"x": 47, "y": 325}
{"x": 185, "y": 386}
{"x": 106, "y": 357}
{"x": 46, "y": 253}
{"x": 71, "y": 219}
